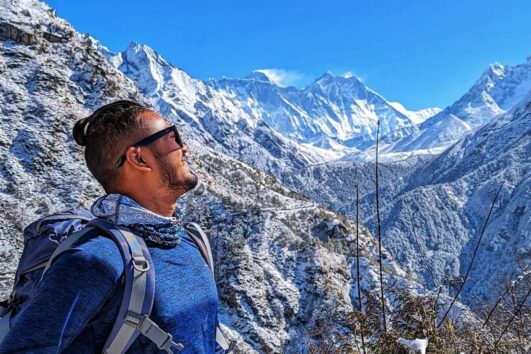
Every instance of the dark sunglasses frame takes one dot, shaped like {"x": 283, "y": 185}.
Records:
{"x": 148, "y": 140}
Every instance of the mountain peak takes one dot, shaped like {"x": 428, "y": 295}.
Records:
{"x": 143, "y": 56}
{"x": 493, "y": 71}
{"x": 329, "y": 77}
{"x": 326, "y": 77}
{"x": 260, "y": 75}
{"x": 497, "y": 69}
{"x": 145, "y": 65}
{"x": 135, "y": 48}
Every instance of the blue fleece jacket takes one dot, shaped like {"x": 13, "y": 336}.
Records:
{"x": 77, "y": 301}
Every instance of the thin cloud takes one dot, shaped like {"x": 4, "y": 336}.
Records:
{"x": 283, "y": 77}
{"x": 347, "y": 74}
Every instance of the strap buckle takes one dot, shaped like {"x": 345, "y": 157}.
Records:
{"x": 169, "y": 343}
{"x": 134, "y": 319}
{"x": 140, "y": 263}
{"x": 163, "y": 340}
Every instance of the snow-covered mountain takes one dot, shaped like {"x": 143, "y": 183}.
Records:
{"x": 498, "y": 89}
{"x": 213, "y": 118}
{"x": 446, "y": 202}
{"x": 333, "y": 112}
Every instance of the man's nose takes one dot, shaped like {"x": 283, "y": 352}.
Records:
{"x": 185, "y": 149}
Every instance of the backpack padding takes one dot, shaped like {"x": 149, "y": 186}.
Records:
{"x": 65, "y": 245}
{"x": 59, "y": 217}
{"x": 41, "y": 239}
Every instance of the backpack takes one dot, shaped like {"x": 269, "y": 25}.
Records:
{"x": 48, "y": 237}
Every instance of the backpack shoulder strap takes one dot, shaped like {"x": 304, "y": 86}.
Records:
{"x": 200, "y": 238}
{"x": 139, "y": 293}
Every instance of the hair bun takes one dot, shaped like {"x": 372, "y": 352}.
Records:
{"x": 80, "y": 131}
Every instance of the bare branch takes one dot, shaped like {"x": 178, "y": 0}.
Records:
{"x": 473, "y": 257}
{"x": 382, "y": 296}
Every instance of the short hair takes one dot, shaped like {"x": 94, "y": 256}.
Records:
{"x": 105, "y": 134}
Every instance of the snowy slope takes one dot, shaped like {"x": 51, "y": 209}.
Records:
{"x": 416, "y": 117}
{"x": 465, "y": 179}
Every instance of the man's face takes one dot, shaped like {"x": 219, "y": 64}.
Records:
{"x": 170, "y": 158}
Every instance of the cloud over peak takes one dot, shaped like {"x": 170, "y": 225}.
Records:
{"x": 282, "y": 77}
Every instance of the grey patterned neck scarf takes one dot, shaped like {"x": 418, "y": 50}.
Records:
{"x": 156, "y": 230}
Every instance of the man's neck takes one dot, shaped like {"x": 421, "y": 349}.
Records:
{"x": 161, "y": 205}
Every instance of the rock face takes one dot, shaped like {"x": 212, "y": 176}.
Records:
{"x": 10, "y": 31}
{"x": 284, "y": 262}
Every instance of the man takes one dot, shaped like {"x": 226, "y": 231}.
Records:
{"x": 140, "y": 161}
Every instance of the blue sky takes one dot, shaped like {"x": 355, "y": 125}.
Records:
{"x": 421, "y": 53}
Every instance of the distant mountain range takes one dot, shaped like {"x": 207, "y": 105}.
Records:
{"x": 498, "y": 90}
{"x": 335, "y": 114}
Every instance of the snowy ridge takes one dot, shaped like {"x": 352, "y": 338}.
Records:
{"x": 498, "y": 89}
{"x": 416, "y": 117}
{"x": 336, "y": 113}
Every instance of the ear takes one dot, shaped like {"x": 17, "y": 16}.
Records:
{"x": 133, "y": 156}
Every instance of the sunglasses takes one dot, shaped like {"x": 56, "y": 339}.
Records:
{"x": 148, "y": 140}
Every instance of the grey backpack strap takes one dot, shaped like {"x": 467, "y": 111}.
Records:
{"x": 200, "y": 238}
{"x": 139, "y": 293}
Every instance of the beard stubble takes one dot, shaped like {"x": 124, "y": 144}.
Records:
{"x": 174, "y": 182}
